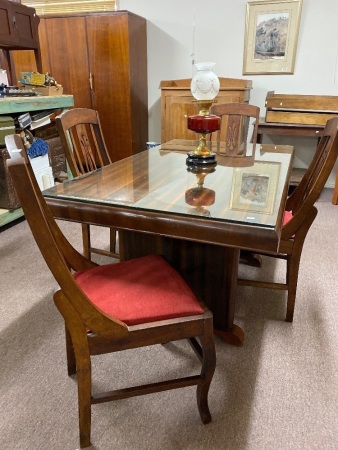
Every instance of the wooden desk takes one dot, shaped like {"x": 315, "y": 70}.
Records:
{"x": 294, "y": 129}
{"x": 148, "y": 198}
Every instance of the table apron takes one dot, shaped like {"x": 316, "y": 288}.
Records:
{"x": 214, "y": 232}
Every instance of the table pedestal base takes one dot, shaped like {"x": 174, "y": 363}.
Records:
{"x": 210, "y": 270}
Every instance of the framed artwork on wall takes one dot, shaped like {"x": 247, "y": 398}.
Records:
{"x": 254, "y": 188}
{"x": 271, "y": 35}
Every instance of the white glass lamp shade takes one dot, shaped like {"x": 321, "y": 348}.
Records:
{"x": 205, "y": 83}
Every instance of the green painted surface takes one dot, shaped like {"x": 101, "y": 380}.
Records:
{"x": 9, "y": 216}
{"x": 24, "y": 104}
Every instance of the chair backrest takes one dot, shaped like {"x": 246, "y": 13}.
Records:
{"x": 301, "y": 201}
{"x": 59, "y": 254}
{"x": 235, "y": 123}
{"x": 82, "y": 139}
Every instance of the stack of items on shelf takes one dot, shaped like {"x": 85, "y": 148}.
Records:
{"x": 37, "y": 152}
{"x": 41, "y": 124}
{"x": 41, "y": 84}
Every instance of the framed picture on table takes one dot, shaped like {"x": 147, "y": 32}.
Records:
{"x": 271, "y": 36}
{"x": 254, "y": 188}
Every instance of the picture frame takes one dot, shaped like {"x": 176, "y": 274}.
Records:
{"x": 271, "y": 36}
{"x": 254, "y": 188}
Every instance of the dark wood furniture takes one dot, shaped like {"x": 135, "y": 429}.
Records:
{"x": 145, "y": 198}
{"x": 101, "y": 59}
{"x": 18, "y": 31}
{"x": 300, "y": 214}
{"x": 177, "y": 103}
{"x": 300, "y": 109}
{"x": 234, "y": 132}
{"x": 299, "y": 115}
{"x": 294, "y": 129}
{"x": 116, "y": 307}
{"x": 85, "y": 149}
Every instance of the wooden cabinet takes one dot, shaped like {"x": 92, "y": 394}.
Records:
{"x": 19, "y": 25}
{"x": 18, "y": 30}
{"x": 176, "y": 104}
{"x": 101, "y": 59}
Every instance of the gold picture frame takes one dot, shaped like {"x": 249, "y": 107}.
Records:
{"x": 271, "y": 36}
{"x": 254, "y": 188}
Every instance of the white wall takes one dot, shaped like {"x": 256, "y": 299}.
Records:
{"x": 180, "y": 31}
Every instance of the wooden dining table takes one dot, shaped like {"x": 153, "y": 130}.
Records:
{"x": 199, "y": 217}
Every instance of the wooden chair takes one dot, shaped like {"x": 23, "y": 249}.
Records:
{"x": 235, "y": 124}
{"x": 232, "y": 140}
{"x": 115, "y": 307}
{"x": 85, "y": 149}
{"x": 300, "y": 213}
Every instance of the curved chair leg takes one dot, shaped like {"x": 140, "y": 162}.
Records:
{"x": 208, "y": 369}
{"x": 84, "y": 384}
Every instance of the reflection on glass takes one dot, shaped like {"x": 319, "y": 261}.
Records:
{"x": 255, "y": 189}
{"x": 200, "y": 196}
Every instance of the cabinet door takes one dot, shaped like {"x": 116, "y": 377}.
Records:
{"x": 7, "y": 32}
{"x": 118, "y": 63}
{"x": 25, "y": 23}
{"x": 19, "y": 25}
{"x": 178, "y": 106}
{"x": 64, "y": 55}
{"x": 108, "y": 49}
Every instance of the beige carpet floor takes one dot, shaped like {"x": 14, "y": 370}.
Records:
{"x": 278, "y": 392}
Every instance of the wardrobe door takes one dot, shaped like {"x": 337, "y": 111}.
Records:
{"x": 64, "y": 41}
{"x": 116, "y": 45}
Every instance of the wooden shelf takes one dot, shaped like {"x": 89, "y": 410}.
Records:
{"x": 7, "y": 216}
{"x": 12, "y": 105}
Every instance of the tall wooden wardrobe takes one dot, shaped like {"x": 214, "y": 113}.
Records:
{"x": 101, "y": 59}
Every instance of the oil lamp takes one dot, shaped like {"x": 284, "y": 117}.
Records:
{"x": 204, "y": 88}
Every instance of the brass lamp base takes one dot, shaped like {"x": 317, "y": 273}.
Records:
{"x": 200, "y": 159}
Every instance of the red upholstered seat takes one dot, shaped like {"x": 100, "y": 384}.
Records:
{"x": 287, "y": 217}
{"x": 139, "y": 291}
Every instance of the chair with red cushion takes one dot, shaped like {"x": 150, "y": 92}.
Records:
{"x": 300, "y": 213}
{"x": 115, "y": 307}
{"x": 85, "y": 150}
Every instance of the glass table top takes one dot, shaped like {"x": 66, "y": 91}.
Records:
{"x": 159, "y": 180}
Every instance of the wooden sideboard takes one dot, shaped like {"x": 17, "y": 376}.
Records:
{"x": 176, "y": 104}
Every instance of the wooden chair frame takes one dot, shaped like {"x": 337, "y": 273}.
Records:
{"x": 85, "y": 149}
{"x": 235, "y": 123}
{"x": 106, "y": 333}
{"x": 301, "y": 204}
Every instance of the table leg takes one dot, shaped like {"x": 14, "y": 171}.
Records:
{"x": 210, "y": 270}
